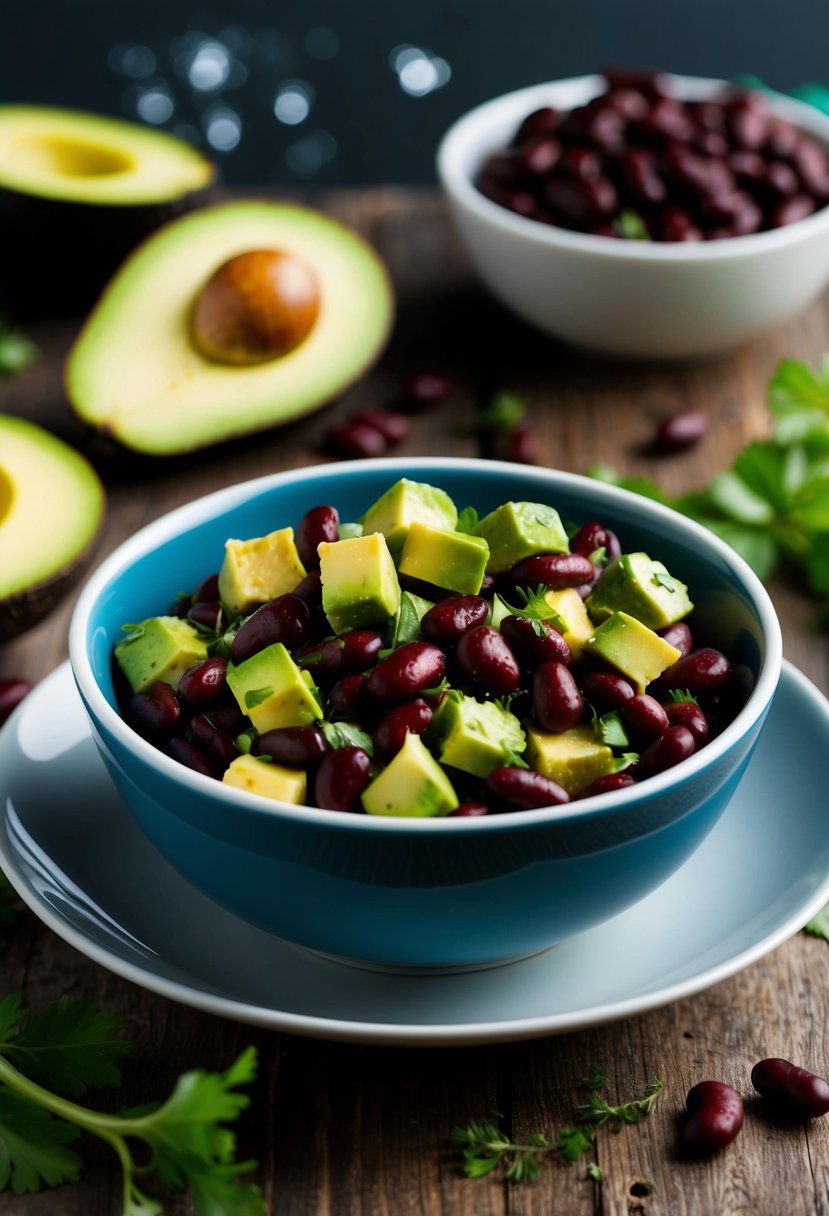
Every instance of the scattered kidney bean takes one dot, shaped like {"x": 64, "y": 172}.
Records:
{"x": 689, "y": 715}
{"x": 606, "y": 690}
{"x": 339, "y": 656}
{"x": 681, "y": 430}
{"x": 411, "y": 717}
{"x": 535, "y": 642}
{"x": 715, "y": 1115}
{"x": 593, "y": 537}
{"x": 392, "y": 426}
{"x": 518, "y": 443}
{"x": 217, "y": 743}
{"x": 524, "y": 788}
{"x": 644, "y": 714}
{"x": 679, "y": 635}
{"x": 349, "y": 696}
{"x": 554, "y": 570}
{"x": 700, "y": 671}
{"x": 293, "y": 746}
{"x": 355, "y": 440}
{"x": 405, "y": 672}
{"x": 12, "y": 693}
{"x": 341, "y": 778}
{"x": 791, "y": 1088}
{"x": 317, "y": 525}
{"x": 485, "y": 656}
{"x": 204, "y": 683}
{"x": 452, "y": 617}
{"x": 557, "y": 702}
{"x": 286, "y": 619}
{"x": 155, "y": 713}
{"x": 426, "y": 390}
{"x": 676, "y": 744}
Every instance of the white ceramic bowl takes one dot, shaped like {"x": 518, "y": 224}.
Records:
{"x": 630, "y": 298}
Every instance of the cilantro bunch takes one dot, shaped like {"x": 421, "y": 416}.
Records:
{"x": 772, "y": 505}
{"x": 51, "y": 1058}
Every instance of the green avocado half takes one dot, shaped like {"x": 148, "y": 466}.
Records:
{"x": 137, "y": 374}
{"x": 78, "y": 191}
{"x": 51, "y": 507}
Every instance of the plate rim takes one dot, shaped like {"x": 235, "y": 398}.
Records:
{"x": 412, "y": 1034}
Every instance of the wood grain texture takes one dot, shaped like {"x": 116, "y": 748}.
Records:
{"x": 346, "y": 1130}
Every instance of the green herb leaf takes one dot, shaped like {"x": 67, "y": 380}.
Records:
{"x": 133, "y": 632}
{"x": 407, "y": 622}
{"x": 574, "y": 1142}
{"x": 502, "y": 413}
{"x": 467, "y": 520}
{"x": 346, "y": 734}
{"x": 593, "y": 1173}
{"x": 610, "y": 730}
{"x": 16, "y": 351}
{"x": 682, "y": 696}
{"x": 33, "y": 1150}
{"x": 69, "y": 1047}
{"x": 818, "y": 926}
{"x": 535, "y": 607}
{"x": 798, "y": 397}
{"x": 663, "y": 579}
{"x": 257, "y": 696}
{"x": 631, "y": 227}
{"x": 595, "y": 1079}
{"x": 599, "y": 1113}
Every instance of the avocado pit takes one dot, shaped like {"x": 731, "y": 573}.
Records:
{"x": 258, "y": 306}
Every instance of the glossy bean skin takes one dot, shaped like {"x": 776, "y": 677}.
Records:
{"x": 557, "y": 701}
{"x": 486, "y": 658}
{"x": 204, "y": 683}
{"x": 594, "y": 536}
{"x": 535, "y": 642}
{"x": 293, "y": 746}
{"x": 349, "y": 697}
{"x": 406, "y": 672}
{"x": 12, "y": 693}
{"x": 676, "y": 744}
{"x": 310, "y": 588}
{"x": 426, "y": 390}
{"x": 715, "y": 1115}
{"x": 317, "y": 525}
{"x": 524, "y": 789}
{"x": 217, "y": 743}
{"x": 340, "y": 656}
{"x": 188, "y": 753}
{"x": 341, "y": 778}
{"x": 469, "y": 810}
{"x": 679, "y": 635}
{"x": 700, "y": 671}
{"x": 207, "y": 590}
{"x": 393, "y": 426}
{"x": 554, "y": 570}
{"x": 681, "y": 430}
{"x": 792, "y": 1089}
{"x": 228, "y": 717}
{"x": 606, "y": 690}
{"x": 689, "y": 715}
{"x": 607, "y": 784}
{"x": 155, "y": 713}
{"x": 286, "y": 619}
{"x": 410, "y": 717}
{"x": 209, "y": 615}
{"x": 453, "y": 617}
{"x": 355, "y": 440}
{"x": 644, "y": 714}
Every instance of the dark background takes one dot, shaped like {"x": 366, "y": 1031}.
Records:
{"x": 369, "y": 84}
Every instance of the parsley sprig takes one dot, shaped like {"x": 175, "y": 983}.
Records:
{"x": 16, "y": 351}
{"x": 485, "y": 1146}
{"x": 50, "y": 1058}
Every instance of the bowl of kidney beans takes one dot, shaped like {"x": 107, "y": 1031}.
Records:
{"x": 643, "y": 214}
{"x": 520, "y": 869}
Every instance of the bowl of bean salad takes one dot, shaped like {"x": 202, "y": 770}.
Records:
{"x": 486, "y": 707}
{"x": 642, "y": 214}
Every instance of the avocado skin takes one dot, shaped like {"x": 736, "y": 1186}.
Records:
{"x": 28, "y": 608}
{"x": 56, "y": 256}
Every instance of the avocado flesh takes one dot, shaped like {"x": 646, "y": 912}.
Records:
{"x": 51, "y": 504}
{"x": 136, "y": 374}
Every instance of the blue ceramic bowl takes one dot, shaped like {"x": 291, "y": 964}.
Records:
{"x": 447, "y": 893}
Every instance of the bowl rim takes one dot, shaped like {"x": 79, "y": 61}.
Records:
{"x": 455, "y": 177}
{"x": 211, "y": 506}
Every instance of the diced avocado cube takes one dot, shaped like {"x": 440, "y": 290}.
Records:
{"x": 453, "y": 560}
{"x": 412, "y": 784}
{"x": 633, "y": 649}
{"x": 573, "y": 758}
{"x": 405, "y": 503}
{"x": 270, "y": 780}
{"x": 575, "y": 625}
{"x": 475, "y": 736}
{"x": 359, "y": 582}
{"x": 636, "y": 584}
{"x": 255, "y": 571}
{"x": 160, "y": 648}
{"x": 273, "y": 691}
{"x": 519, "y": 529}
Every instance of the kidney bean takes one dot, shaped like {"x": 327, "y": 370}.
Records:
{"x": 310, "y": 588}
{"x": 678, "y": 225}
{"x": 699, "y": 671}
{"x": 188, "y": 753}
{"x": 207, "y": 591}
{"x": 594, "y": 536}
{"x": 582, "y": 163}
{"x": 518, "y": 444}
{"x": 340, "y": 656}
{"x": 780, "y": 179}
{"x": 485, "y": 656}
{"x": 557, "y": 702}
{"x": 715, "y": 1115}
{"x": 639, "y": 166}
{"x": 553, "y": 570}
{"x": 393, "y": 426}
{"x": 791, "y": 1088}
{"x": 578, "y": 202}
{"x": 355, "y": 440}
{"x": 537, "y": 155}
{"x": 293, "y": 746}
{"x": 790, "y": 210}
{"x": 317, "y": 525}
{"x": 349, "y": 696}
{"x": 411, "y": 717}
{"x": 809, "y": 162}
{"x": 607, "y": 784}
{"x": 676, "y": 744}
{"x": 228, "y": 718}
{"x": 748, "y": 121}
{"x": 287, "y": 619}
{"x": 650, "y": 81}
{"x": 540, "y": 122}
{"x": 426, "y": 390}
{"x": 605, "y": 690}
{"x": 217, "y": 743}
{"x": 341, "y": 778}
{"x": 12, "y": 693}
{"x": 407, "y": 671}
{"x": 525, "y": 789}
{"x": 451, "y": 618}
{"x": 679, "y": 635}
{"x": 534, "y": 642}
{"x": 469, "y": 810}
{"x": 155, "y": 713}
{"x": 681, "y": 430}
{"x": 644, "y": 714}
{"x": 782, "y": 138}
{"x": 685, "y": 713}
{"x": 204, "y": 683}
{"x": 209, "y": 615}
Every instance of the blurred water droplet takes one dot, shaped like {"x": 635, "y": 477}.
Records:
{"x": 138, "y": 62}
{"x": 419, "y": 72}
{"x": 209, "y": 67}
{"x": 293, "y": 102}
{"x": 223, "y": 128}
{"x": 155, "y": 105}
{"x": 307, "y": 156}
{"x": 322, "y": 43}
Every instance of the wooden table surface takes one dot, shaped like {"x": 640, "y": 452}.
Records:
{"x": 341, "y": 1129}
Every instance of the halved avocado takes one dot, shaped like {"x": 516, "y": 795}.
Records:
{"x": 78, "y": 191}
{"x": 51, "y": 506}
{"x": 143, "y": 370}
